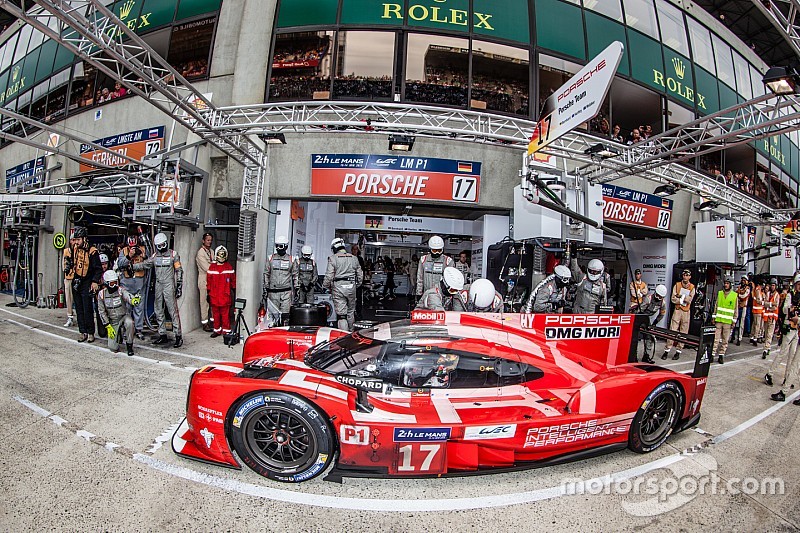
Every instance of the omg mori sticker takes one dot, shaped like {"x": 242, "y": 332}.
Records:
{"x": 576, "y": 327}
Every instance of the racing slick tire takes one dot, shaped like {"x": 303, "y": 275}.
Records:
{"x": 656, "y": 418}
{"x": 282, "y": 436}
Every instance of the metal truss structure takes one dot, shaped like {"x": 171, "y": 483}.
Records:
{"x": 784, "y": 16}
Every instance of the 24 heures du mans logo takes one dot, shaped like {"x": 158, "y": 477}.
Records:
{"x": 675, "y": 84}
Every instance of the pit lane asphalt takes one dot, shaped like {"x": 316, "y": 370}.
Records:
{"x": 83, "y": 435}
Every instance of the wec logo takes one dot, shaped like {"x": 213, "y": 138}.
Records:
{"x": 490, "y": 432}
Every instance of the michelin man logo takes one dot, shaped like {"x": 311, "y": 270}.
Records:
{"x": 208, "y": 436}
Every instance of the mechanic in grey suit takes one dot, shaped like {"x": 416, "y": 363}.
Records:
{"x": 342, "y": 277}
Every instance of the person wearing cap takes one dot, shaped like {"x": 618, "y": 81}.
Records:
{"x": 793, "y": 363}
{"x": 654, "y": 305}
{"x": 772, "y": 302}
{"x": 757, "y": 324}
{"x": 549, "y": 296}
{"x": 743, "y": 298}
{"x": 203, "y": 259}
{"x": 682, "y": 295}
{"x": 726, "y": 310}
{"x": 432, "y": 265}
{"x": 637, "y": 290}
{"x": 791, "y": 311}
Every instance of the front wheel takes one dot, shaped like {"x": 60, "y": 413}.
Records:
{"x": 656, "y": 418}
{"x": 281, "y": 436}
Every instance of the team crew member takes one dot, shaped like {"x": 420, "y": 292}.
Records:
{"x": 791, "y": 310}
{"x": 757, "y": 326}
{"x": 69, "y": 274}
{"x": 549, "y": 296}
{"x": 169, "y": 287}
{"x": 204, "y": 258}
{"x": 726, "y": 310}
{"x": 112, "y": 304}
{"x": 592, "y": 289}
{"x": 342, "y": 277}
{"x": 653, "y": 305}
{"x": 413, "y": 270}
{"x": 279, "y": 277}
{"x": 220, "y": 284}
{"x": 482, "y": 298}
{"x": 133, "y": 281}
{"x": 305, "y": 275}
{"x": 743, "y": 297}
{"x": 682, "y": 295}
{"x": 464, "y": 267}
{"x": 432, "y": 265}
{"x": 85, "y": 282}
{"x": 638, "y": 290}
{"x": 447, "y": 296}
{"x": 772, "y": 301}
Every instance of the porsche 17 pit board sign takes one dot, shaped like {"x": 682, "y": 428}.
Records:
{"x": 395, "y": 177}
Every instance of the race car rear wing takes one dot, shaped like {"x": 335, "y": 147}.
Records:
{"x": 704, "y": 345}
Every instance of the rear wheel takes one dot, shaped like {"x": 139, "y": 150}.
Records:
{"x": 656, "y": 418}
{"x": 281, "y": 436}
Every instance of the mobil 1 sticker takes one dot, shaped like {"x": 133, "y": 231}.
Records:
{"x": 421, "y": 434}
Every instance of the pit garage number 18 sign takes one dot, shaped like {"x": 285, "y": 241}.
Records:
{"x": 389, "y": 176}
{"x": 636, "y": 208}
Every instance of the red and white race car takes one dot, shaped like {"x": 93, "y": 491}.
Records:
{"x": 441, "y": 394}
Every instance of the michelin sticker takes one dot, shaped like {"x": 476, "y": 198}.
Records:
{"x": 311, "y": 472}
{"x": 248, "y": 406}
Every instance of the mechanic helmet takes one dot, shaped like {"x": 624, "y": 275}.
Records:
{"x": 306, "y": 251}
{"x": 133, "y": 240}
{"x": 281, "y": 244}
{"x": 773, "y": 281}
{"x": 337, "y": 244}
{"x": 221, "y": 254}
{"x": 111, "y": 279}
{"x": 452, "y": 281}
{"x": 563, "y": 275}
{"x": 161, "y": 242}
{"x": 481, "y": 295}
{"x": 661, "y": 291}
{"x": 595, "y": 269}
{"x": 744, "y": 279}
{"x": 79, "y": 232}
{"x": 103, "y": 258}
{"x": 437, "y": 246}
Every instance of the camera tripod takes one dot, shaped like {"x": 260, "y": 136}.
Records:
{"x": 232, "y": 339}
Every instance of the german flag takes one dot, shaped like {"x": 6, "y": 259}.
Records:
{"x": 464, "y": 167}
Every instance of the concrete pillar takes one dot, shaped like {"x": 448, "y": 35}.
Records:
{"x": 186, "y": 244}
{"x": 252, "y": 55}
{"x": 226, "y": 42}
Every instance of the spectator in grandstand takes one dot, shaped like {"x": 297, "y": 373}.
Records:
{"x": 635, "y": 136}
{"x": 119, "y": 91}
{"x": 616, "y": 134}
{"x": 105, "y": 95}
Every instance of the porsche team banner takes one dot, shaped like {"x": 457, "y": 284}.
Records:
{"x": 24, "y": 175}
{"x": 389, "y": 176}
{"x": 133, "y": 144}
{"x": 636, "y": 208}
{"x": 578, "y": 100}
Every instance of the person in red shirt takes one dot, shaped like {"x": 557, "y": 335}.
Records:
{"x": 220, "y": 282}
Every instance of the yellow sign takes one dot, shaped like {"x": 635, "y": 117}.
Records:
{"x": 59, "y": 241}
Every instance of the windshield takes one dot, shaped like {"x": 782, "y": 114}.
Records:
{"x": 420, "y": 356}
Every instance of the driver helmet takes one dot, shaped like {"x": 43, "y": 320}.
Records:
{"x": 595, "y": 269}
{"x": 436, "y": 244}
{"x": 337, "y": 244}
{"x": 563, "y": 275}
{"x": 111, "y": 279}
{"x": 452, "y": 281}
{"x": 221, "y": 254}
{"x": 306, "y": 251}
{"x": 281, "y": 244}
{"x": 481, "y": 294}
{"x": 661, "y": 292}
{"x": 161, "y": 242}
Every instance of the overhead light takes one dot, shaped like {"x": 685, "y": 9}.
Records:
{"x": 86, "y": 180}
{"x": 603, "y": 151}
{"x": 665, "y": 190}
{"x": 708, "y": 205}
{"x": 401, "y": 143}
{"x": 272, "y": 137}
{"x": 781, "y": 80}
{"x": 555, "y": 185}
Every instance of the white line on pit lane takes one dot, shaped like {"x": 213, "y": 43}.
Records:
{"x": 419, "y": 505}
{"x": 157, "y": 350}
{"x": 105, "y": 349}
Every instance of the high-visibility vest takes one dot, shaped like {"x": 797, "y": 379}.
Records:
{"x": 758, "y": 301}
{"x": 726, "y": 307}
{"x": 775, "y": 299}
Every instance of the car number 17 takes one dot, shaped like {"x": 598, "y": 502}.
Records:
{"x": 420, "y": 459}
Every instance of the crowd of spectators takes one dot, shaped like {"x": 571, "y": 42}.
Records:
{"x": 362, "y": 87}
{"x": 193, "y": 69}
{"x": 310, "y": 52}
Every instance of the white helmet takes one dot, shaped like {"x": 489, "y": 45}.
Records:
{"x": 452, "y": 280}
{"x": 595, "y": 269}
{"x": 110, "y": 276}
{"x": 661, "y": 291}
{"x": 306, "y": 251}
{"x": 336, "y": 244}
{"x": 481, "y": 294}
{"x": 103, "y": 258}
{"x": 436, "y": 245}
{"x": 221, "y": 254}
{"x": 281, "y": 244}
{"x": 563, "y": 275}
{"x": 161, "y": 242}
